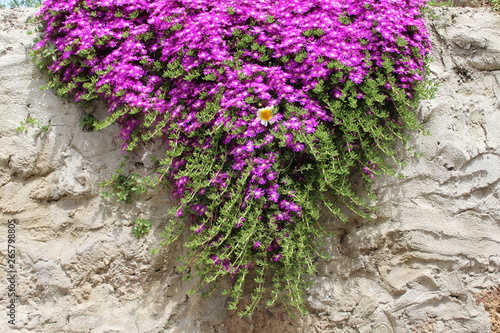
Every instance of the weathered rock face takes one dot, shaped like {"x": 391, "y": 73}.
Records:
{"x": 417, "y": 266}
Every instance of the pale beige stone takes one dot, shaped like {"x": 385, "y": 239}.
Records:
{"x": 432, "y": 246}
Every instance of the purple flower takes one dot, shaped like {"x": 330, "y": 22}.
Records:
{"x": 274, "y": 246}
{"x": 272, "y": 193}
{"x": 200, "y": 228}
{"x": 240, "y": 222}
{"x": 258, "y": 192}
{"x": 199, "y": 209}
{"x": 277, "y": 257}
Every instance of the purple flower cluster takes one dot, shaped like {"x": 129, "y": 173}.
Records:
{"x": 200, "y": 73}
{"x": 290, "y": 44}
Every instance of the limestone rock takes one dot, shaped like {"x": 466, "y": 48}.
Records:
{"x": 416, "y": 267}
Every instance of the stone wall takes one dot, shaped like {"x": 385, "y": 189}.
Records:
{"x": 421, "y": 265}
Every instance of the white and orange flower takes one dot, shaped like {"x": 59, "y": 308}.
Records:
{"x": 265, "y": 115}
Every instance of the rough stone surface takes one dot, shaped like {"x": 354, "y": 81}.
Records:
{"x": 416, "y": 267}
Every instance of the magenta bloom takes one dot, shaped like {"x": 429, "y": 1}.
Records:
{"x": 258, "y": 192}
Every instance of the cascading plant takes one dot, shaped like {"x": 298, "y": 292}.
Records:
{"x": 267, "y": 108}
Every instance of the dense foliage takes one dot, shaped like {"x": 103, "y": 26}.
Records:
{"x": 267, "y": 108}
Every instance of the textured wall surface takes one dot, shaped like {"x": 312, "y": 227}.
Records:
{"x": 418, "y": 266}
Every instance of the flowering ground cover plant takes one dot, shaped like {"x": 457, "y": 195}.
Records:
{"x": 268, "y": 108}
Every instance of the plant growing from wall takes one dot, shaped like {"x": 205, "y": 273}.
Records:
{"x": 495, "y": 4}
{"x": 87, "y": 121}
{"x": 268, "y": 109}
{"x": 34, "y": 123}
{"x": 124, "y": 186}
